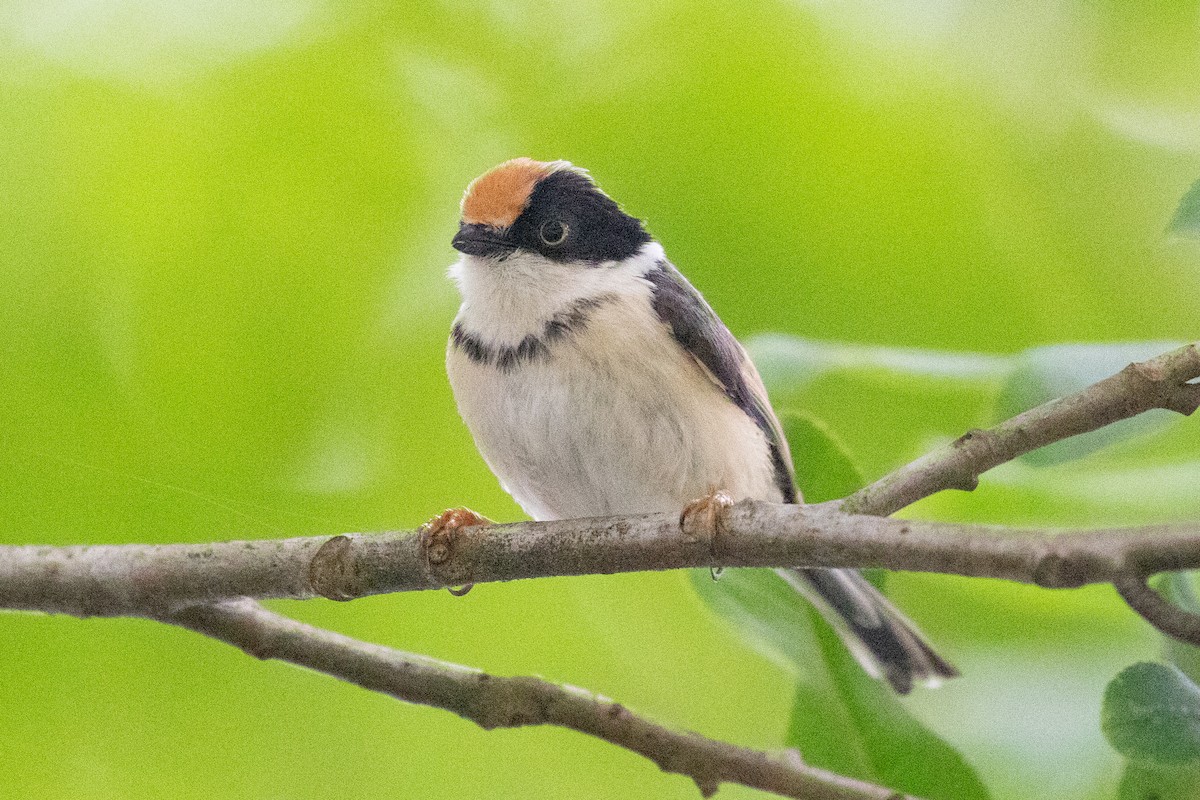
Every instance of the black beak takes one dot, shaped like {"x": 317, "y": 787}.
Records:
{"x": 480, "y": 240}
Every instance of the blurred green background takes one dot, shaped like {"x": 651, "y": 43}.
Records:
{"x": 224, "y": 229}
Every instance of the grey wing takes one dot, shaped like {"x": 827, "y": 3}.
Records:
{"x": 701, "y": 333}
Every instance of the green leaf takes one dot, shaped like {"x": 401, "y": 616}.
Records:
{"x": 777, "y": 622}
{"x": 824, "y": 468}
{"x": 1151, "y": 714}
{"x": 767, "y": 613}
{"x": 842, "y": 719}
{"x": 1171, "y": 771}
{"x": 900, "y": 751}
{"x": 1045, "y": 373}
{"x": 1186, "y": 221}
{"x": 1144, "y": 781}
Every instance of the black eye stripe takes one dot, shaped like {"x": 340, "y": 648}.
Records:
{"x": 594, "y": 229}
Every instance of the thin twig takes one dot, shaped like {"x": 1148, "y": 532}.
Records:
{"x": 499, "y": 702}
{"x": 1160, "y": 382}
{"x": 1135, "y": 589}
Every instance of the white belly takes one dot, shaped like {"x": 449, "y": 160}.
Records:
{"x": 617, "y": 423}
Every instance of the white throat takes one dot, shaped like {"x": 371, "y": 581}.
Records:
{"x": 505, "y": 301}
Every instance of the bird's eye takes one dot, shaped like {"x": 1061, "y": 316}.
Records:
{"x": 554, "y": 232}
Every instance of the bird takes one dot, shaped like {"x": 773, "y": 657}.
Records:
{"x": 597, "y": 381}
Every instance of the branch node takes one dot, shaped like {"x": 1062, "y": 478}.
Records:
{"x": 968, "y": 436}
{"x": 1055, "y": 571}
{"x": 1159, "y": 381}
{"x": 707, "y": 786}
{"x": 1147, "y": 371}
{"x": 967, "y": 482}
{"x": 331, "y": 570}
{"x": 437, "y": 548}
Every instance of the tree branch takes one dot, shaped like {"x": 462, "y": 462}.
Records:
{"x": 498, "y": 702}
{"x": 152, "y": 580}
{"x": 1160, "y": 382}
{"x": 193, "y": 585}
{"x": 149, "y": 580}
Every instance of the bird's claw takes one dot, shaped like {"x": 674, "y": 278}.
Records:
{"x": 703, "y": 519}
{"x": 437, "y": 538}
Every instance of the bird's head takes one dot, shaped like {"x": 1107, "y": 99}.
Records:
{"x": 544, "y": 210}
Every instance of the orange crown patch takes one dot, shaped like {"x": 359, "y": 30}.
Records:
{"x": 498, "y": 196}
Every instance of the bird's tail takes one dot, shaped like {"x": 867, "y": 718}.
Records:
{"x": 883, "y": 640}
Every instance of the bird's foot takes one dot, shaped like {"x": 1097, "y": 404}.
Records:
{"x": 704, "y": 520}
{"x": 437, "y": 538}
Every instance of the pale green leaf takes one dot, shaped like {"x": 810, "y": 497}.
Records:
{"x": 824, "y": 467}
{"x": 1046, "y": 373}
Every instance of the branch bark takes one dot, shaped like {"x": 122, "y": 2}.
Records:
{"x": 499, "y": 702}
{"x": 152, "y": 580}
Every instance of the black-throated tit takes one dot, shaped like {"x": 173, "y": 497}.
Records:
{"x": 597, "y": 381}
